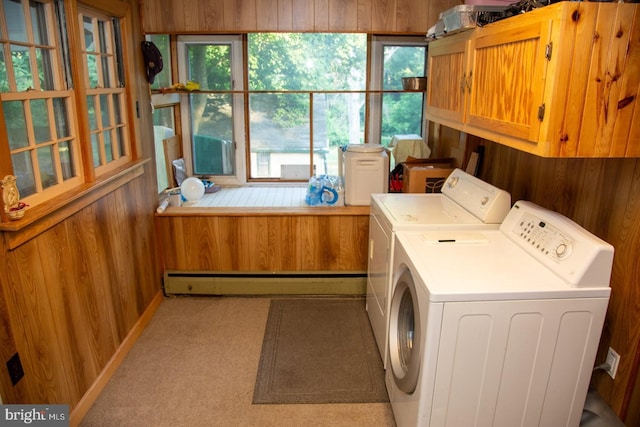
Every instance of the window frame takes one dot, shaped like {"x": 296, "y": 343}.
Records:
{"x": 373, "y": 102}
{"x": 237, "y": 44}
{"x": 376, "y": 67}
{"x": 122, "y": 90}
{"x": 62, "y": 20}
{"x": 26, "y": 97}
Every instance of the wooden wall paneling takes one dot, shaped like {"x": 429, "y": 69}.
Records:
{"x": 343, "y": 15}
{"x": 550, "y": 180}
{"x": 8, "y": 347}
{"x": 311, "y": 255}
{"x": 174, "y": 242}
{"x": 623, "y": 316}
{"x": 629, "y": 92}
{"x": 35, "y": 328}
{"x": 285, "y": 15}
{"x": 140, "y": 229}
{"x": 303, "y": 15}
{"x": 594, "y": 193}
{"x": 92, "y": 288}
{"x": 280, "y": 244}
{"x": 633, "y": 146}
{"x": 353, "y": 244}
{"x": 632, "y": 410}
{"x": 372, "y": 18}
{"x": 252, "y": 243}
{"x": 264, "y": 242}
{"x": 411, "y": 16}
{"x": 266, "y": 15}
{"x": 213, "y": 17}
{"x": 192, "y": 13}
{"x": 77, "y": 367}
{"x": 384, "y": 16}
{"x": 152, "y": 18}
{"x": 204, "y": 244}
{"x": 120, "y": 258}
{"x": 321, "y": 15}
{"x": 240, "y": 14}
{"x": 366, "y": 16}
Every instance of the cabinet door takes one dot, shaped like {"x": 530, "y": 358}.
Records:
{"x": 446, "y": 94}
{"x": 507, "y": 79}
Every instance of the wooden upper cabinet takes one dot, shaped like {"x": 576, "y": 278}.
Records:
{"x": 560, "y": 81}
{"x": 447, "y": 69}
{"x": 506, "y": 79}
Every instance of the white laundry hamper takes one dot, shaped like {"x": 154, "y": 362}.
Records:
{"x": 366, "y": 171}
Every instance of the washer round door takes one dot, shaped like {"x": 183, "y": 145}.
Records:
{"x": 405, "y": 334}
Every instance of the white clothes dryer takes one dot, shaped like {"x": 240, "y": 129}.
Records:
{"x": 466, "y": 202}
{"x": 496, "y": 328}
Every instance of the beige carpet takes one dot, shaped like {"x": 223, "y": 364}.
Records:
{"x": 196, "y": 364}
{"x": 319, "y": 350}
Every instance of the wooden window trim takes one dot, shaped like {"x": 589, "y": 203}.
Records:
{"x": 46, "y": 215}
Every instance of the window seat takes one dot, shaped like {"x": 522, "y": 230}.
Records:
{"x": 280, "y": 235}
{"x": 252, "y": 200}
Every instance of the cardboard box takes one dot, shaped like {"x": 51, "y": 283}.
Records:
{"x": 396, "y": 182}
{"x": 420, "y": 178}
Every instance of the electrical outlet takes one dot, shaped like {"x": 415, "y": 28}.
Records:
{"x": 14, "y": 366}
{"x": 613, "y": 360}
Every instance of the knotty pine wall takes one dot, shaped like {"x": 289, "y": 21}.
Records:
{"x": 73, "y": 294}
{"x": 603, "y": 196}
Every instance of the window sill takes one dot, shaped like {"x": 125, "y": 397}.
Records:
{"x": 46, "y": 215}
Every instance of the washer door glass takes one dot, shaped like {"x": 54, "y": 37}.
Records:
{"x": 405, "y": 334}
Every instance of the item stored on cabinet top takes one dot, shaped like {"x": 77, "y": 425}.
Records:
{"x": 465, "y": 17}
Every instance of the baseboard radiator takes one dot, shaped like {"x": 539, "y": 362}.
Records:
{"x": 265, "y": 283}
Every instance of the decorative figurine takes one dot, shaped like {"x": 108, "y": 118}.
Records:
{"x": 13, "y": 207}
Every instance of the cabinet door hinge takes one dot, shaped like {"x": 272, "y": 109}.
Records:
{"x": 548, "y": 50}
{"x": 541, "y": 112}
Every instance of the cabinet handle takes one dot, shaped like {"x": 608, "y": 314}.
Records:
{"x": 463, "y": 82}
{"x": 469, "y": 81}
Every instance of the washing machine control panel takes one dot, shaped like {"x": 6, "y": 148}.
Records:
{"x": 545, "y": 238}
{"x": 563, "y": 246}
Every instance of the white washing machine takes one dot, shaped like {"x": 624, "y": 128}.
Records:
{"x": 465, "y": 202}
{"x": 496, "y": 327}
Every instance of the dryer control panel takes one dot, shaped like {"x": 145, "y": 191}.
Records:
{"x": 488, "y": 203}
{"x": 563, "y": 246}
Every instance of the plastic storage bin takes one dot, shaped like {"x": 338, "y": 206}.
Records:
{"x": 366, "y": 171}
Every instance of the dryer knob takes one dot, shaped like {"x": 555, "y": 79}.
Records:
{"x": 453, "y": 181}
{"x": 484, "y": 200}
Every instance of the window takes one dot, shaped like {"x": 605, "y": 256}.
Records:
{"x": 214, "y": 119}
{"x": 106, "y": 98}
{"x": 395, "y": 112}
{"x": 306, "y": 96}
{"x": 39, "y": 97}
{"x": 37, "y": 107}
